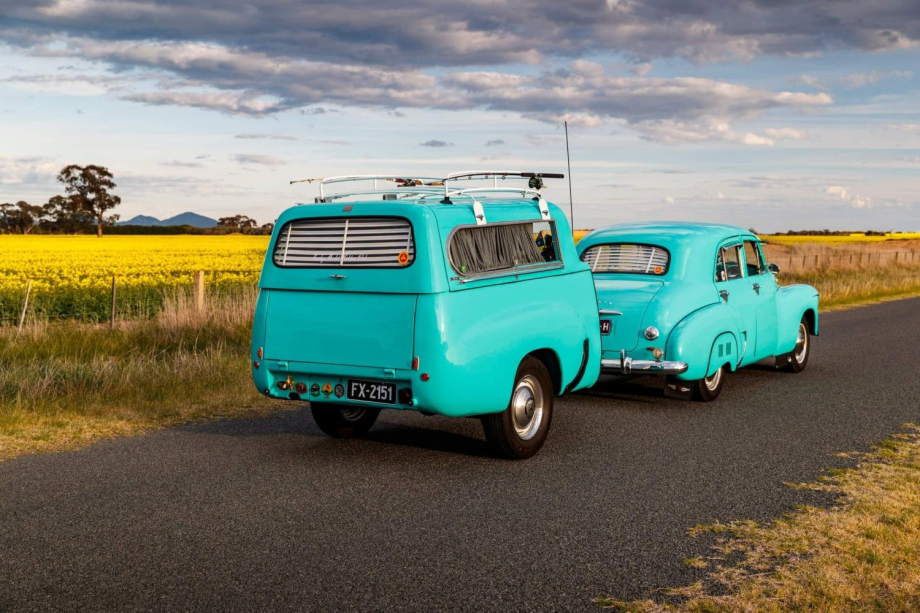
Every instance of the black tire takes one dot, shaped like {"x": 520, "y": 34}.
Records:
{"x": 519, "y": 431}
{"x": 708, "y": 389}
{"x": 796, "y": 360}
{"x": 343, "y": 422}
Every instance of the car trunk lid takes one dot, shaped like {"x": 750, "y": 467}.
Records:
{"x": 347, "y": 328}
{"x": 631, "y": 297}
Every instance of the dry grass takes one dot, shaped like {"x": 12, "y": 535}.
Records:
{"x": 861, "y": 555}
{"x": 850, "y": 275}
{"x": 63, "y": 386}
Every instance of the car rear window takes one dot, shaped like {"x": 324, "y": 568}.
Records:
{"x": 627, "y": 258}
{"x": 352, "y": 242}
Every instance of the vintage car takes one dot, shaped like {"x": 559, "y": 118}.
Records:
{"x": 694, "y": 302}
{"x": 431, "y": 297}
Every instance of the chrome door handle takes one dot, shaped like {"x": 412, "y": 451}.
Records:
{"x": 756, "y": 288}
{"x": 724, "y": 294}
{"x": 337, "y": 276}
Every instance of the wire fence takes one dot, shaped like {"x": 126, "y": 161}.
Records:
{"x": 843, "y": 260}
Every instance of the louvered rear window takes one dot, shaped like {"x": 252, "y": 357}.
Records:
{"x": 354, "y": 242}
{"x": 627, "y": 258}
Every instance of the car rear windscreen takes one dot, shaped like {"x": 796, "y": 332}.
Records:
{"x": 627, "y": 258}
{"x": 353, "y": 242}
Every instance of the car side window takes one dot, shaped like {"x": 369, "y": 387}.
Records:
{"x": 753, "y": 259}
{"x": 496, "y": 248}
{"x": 728, "y": 265}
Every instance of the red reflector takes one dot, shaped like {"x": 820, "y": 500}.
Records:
{"x": 425, "y": 376}
{"x": 259, "y": 352}
{"x": 415, "y": 363}
{"x": 255, "y": 364}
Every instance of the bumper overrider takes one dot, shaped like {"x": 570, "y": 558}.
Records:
{"x": 628, "y": 366}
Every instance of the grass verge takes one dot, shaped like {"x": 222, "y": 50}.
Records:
{"x": 863, "y": 554}
{"x": 63, "y": 386}
{"x": 853, "y": 286}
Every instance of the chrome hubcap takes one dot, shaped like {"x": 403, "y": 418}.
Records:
{"x": 801, "y": 344}
{"x": 353, "y": 414}
{"x": 527, "y": 407}
{"x": 712, "y": 383}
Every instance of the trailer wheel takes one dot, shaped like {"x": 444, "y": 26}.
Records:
{"x": 343, "y": 422}
{"x": 519, "y": 431}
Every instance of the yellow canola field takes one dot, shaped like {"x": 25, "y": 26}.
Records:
{"x": 839, "y": 240}
{"x": 84, "y": 262}
{"x": 72, "y": 275}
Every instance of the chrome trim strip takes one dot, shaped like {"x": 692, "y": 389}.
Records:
{"x": 629, "y": 366}
{"x": 608, "y": 312}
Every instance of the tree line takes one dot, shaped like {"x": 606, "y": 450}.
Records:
{"x": 86, "y": 204}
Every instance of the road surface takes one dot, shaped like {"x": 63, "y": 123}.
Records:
{"x": 269, "y": 514}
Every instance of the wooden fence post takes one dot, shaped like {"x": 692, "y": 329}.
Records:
{"x": 112, "y": 309}
{"x": 199, "y": 291}
{"x": 25, "y": 305}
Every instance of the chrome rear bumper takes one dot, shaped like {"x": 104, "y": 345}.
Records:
{"x": 628, "y": 366}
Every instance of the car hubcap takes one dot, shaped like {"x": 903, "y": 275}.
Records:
{"x": 527, "y": 407}
{"x": 712, "y": 383}
{"x": 352, "y": 414}
{"x": 801, "y": 344}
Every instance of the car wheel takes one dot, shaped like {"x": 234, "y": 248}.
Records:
{"x": 709, "y": 388}
{"x": 797, "y": 359}
{"x": 343, "y": 422}
{"x": 519, "y": 431}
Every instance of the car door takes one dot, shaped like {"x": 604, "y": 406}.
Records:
{"x": 763, "y": 287}
{"x": 735, "y": 291}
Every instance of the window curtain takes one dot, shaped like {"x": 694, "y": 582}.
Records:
{"x": 489, "y": 248}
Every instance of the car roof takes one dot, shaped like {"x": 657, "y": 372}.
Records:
{"x": 692, "y": 244}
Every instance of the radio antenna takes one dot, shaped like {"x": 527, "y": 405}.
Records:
{"x": 568, "y": 159}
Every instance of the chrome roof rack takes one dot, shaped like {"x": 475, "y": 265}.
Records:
{"x": 423, "y": 187}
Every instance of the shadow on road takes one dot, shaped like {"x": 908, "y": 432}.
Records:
{"x": 393, "y": 428}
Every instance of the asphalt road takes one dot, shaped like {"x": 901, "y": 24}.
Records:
{"x": 270, "y": 514}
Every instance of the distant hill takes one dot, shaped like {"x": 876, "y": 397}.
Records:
{"x": 184, "y": 219}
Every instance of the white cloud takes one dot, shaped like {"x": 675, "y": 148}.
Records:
{"x": 255, "y": 158}
{"x": 844, "y": 193}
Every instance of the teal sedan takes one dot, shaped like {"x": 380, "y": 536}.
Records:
{"x": 694, "y": 302}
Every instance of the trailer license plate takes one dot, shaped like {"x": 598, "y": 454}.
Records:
{"x": 372, "y": 391}
{"x": 606, "y": 326}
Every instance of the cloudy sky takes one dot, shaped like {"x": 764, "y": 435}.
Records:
{"x": 772, "y": 114}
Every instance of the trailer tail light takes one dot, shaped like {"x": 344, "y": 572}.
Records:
{"x": 415, "y": 363}
{"x": 259, "y": 353}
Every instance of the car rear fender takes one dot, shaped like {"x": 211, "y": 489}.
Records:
{"x": 695, "y": 340}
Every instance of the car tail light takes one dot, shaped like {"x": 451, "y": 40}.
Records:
{"x": 259, "y": 353}
{"x": 301, "y": 388}
{"x": 415, "y": 363}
